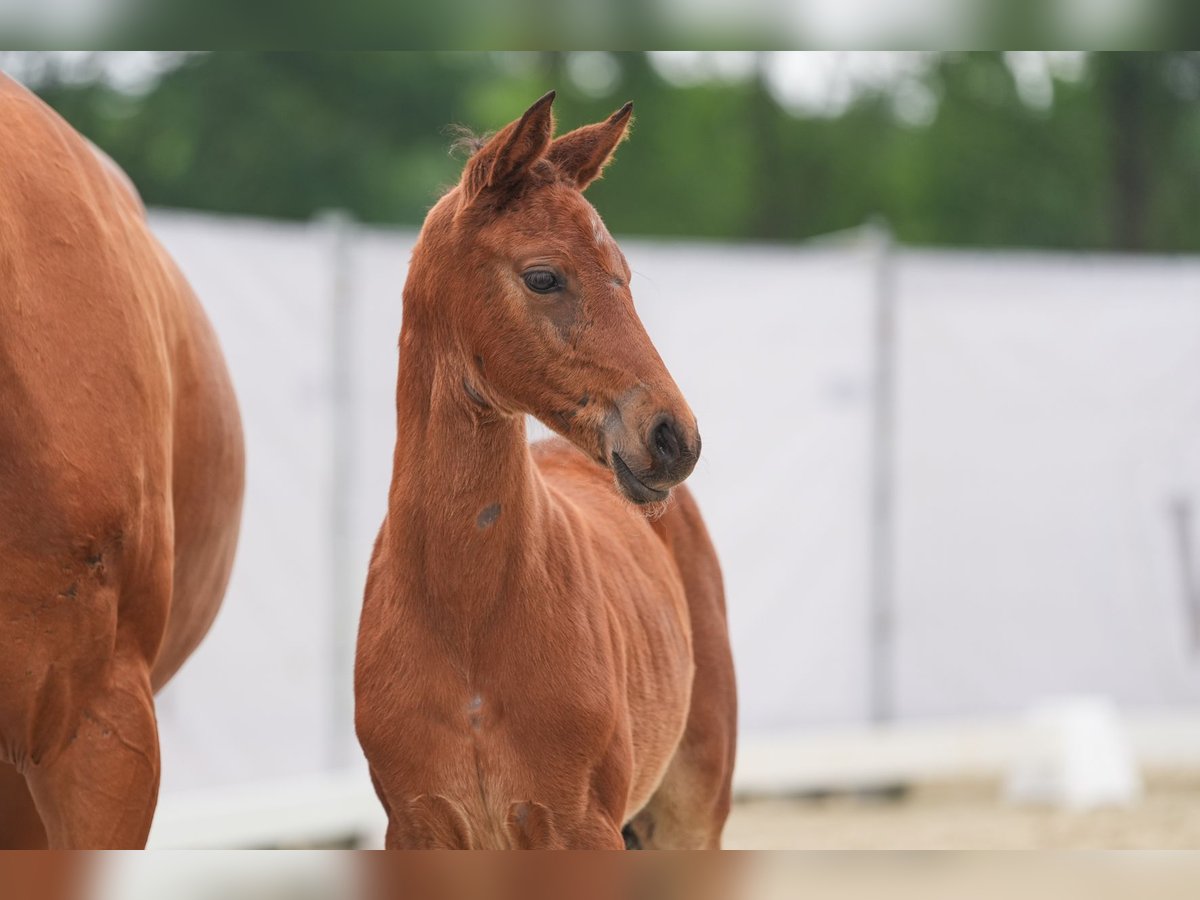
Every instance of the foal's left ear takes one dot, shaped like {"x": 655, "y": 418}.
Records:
{"x": 503, "y": 160}
{"x": 583, "y": 153}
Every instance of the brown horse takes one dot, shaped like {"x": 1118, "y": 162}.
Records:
{"x": 120, "y": 486}
{"x": 542, "y": 659}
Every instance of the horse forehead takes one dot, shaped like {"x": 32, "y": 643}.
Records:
{"x": 565, "y": 221}
{"x": 591, "y": 227}
{"x": 599, "y": 233}
{"x": 570, "y": 217}
{"x": 593, "y": 233}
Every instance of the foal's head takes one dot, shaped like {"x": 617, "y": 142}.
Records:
{"x": 524, "y": 282}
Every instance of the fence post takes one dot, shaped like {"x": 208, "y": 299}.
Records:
{"x": 1182, "y": 514}
{"x": 881, "y": 585}
{"x": 343, "y": 581}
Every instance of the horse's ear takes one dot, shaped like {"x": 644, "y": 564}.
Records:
{"x": 507, "y": 156}
{"x": 582, "y": 154}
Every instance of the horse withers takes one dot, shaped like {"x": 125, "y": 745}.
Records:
{"x": 543, "y": 658}
{"x": 121, "y": 470}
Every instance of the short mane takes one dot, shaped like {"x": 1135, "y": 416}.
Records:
{"x": 465, "y": 141}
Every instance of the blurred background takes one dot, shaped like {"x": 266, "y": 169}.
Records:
{"x": 310, "y": 875}
{"x": 471, "y": 24}
{"x": 1058, "y": 150}
{"x": 961, "y": 288}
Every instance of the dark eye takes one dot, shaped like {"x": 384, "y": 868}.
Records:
{"x": 542, "y": 281}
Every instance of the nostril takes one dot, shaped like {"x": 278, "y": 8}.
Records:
{"x": 666, "y": 442}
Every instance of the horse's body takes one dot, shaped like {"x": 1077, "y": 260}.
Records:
{"x": 121, "y": 473}
{"x": 540, "y": 663}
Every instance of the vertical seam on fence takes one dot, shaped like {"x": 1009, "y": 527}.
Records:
{"x": 1181, "y": 525}
{"x": 881, "y": 588}
{"x": 343, "y": 433}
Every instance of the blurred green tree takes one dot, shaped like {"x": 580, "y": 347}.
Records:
{"x": 1107, "y": 160}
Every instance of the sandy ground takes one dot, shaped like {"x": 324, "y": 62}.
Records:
{"x": 968, "y": 816}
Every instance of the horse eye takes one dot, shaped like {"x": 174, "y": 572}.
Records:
{"x": 541, "y": 281}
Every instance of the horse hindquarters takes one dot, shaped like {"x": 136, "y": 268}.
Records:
{"x": 120, "y": 479}
{"x": 689, "y": 808}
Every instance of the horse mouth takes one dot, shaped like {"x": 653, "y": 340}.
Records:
{"x": 631, "y": 487}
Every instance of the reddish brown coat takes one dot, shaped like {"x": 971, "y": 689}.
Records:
{"x": 543, "y": 657}
{"x": 120, "y": 484}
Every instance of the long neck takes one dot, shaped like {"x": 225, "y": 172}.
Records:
{"x": 465, "y": 493}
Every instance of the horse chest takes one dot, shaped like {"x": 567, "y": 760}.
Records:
{"x": 552, "y": 683}
{"x": 529, "y": 715}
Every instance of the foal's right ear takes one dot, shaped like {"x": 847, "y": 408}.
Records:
{"x": 503, "y": 160}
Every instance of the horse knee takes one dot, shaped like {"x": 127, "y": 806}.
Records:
{"x": 100, "y": 790}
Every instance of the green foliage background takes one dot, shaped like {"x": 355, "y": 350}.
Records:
{"x": 1114, "y": 162}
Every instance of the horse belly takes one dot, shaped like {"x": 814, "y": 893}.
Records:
{"x": 658, "y": 713}
{"x": 659, "y": 668}
{"x": 207, "y": 486}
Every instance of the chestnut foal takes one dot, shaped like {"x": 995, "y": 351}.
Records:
{"x": 543, "y": 658}
{"x": 120, "y": 486}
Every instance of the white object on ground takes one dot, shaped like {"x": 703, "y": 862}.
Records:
{"x": 1078, "y": 757}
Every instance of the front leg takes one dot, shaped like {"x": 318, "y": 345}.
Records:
{"x": 436, "y": 822}
{"x": 534, "y": 826}
{"x": 429, "y": 822}
{"x": 20, "y": 825}
{"x": 99, "y": 790}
